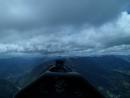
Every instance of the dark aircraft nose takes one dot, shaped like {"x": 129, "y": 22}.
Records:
{"x": 59, "y": 85}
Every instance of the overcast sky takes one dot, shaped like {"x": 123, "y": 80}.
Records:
{"x": 101, "y": 26}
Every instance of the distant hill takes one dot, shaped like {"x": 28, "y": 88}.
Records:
{"x": 11, "y": 68}
{"x": 125, "y": 57}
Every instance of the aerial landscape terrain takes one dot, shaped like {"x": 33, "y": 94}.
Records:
{"x": 110, "y": 74}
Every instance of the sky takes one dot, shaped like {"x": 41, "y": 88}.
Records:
{"x": 65, "y": 26}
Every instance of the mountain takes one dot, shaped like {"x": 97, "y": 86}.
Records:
{"x": 12, "y": 68}
{"x": 125, "y": 57}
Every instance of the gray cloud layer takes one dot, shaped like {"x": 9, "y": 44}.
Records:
{"x": 34, "y": 13}
{"x": 63, "y": 25}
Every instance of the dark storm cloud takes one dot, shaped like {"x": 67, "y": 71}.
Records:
{"x": 24, "y": 14}
{"x": 118, "y": 41}
{"x": 63, "y": 25}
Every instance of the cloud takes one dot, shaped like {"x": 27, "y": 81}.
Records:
{"x": 28, "y": 14}
{"x": 103, "y": 38}
{"x": 49, "y": 26}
